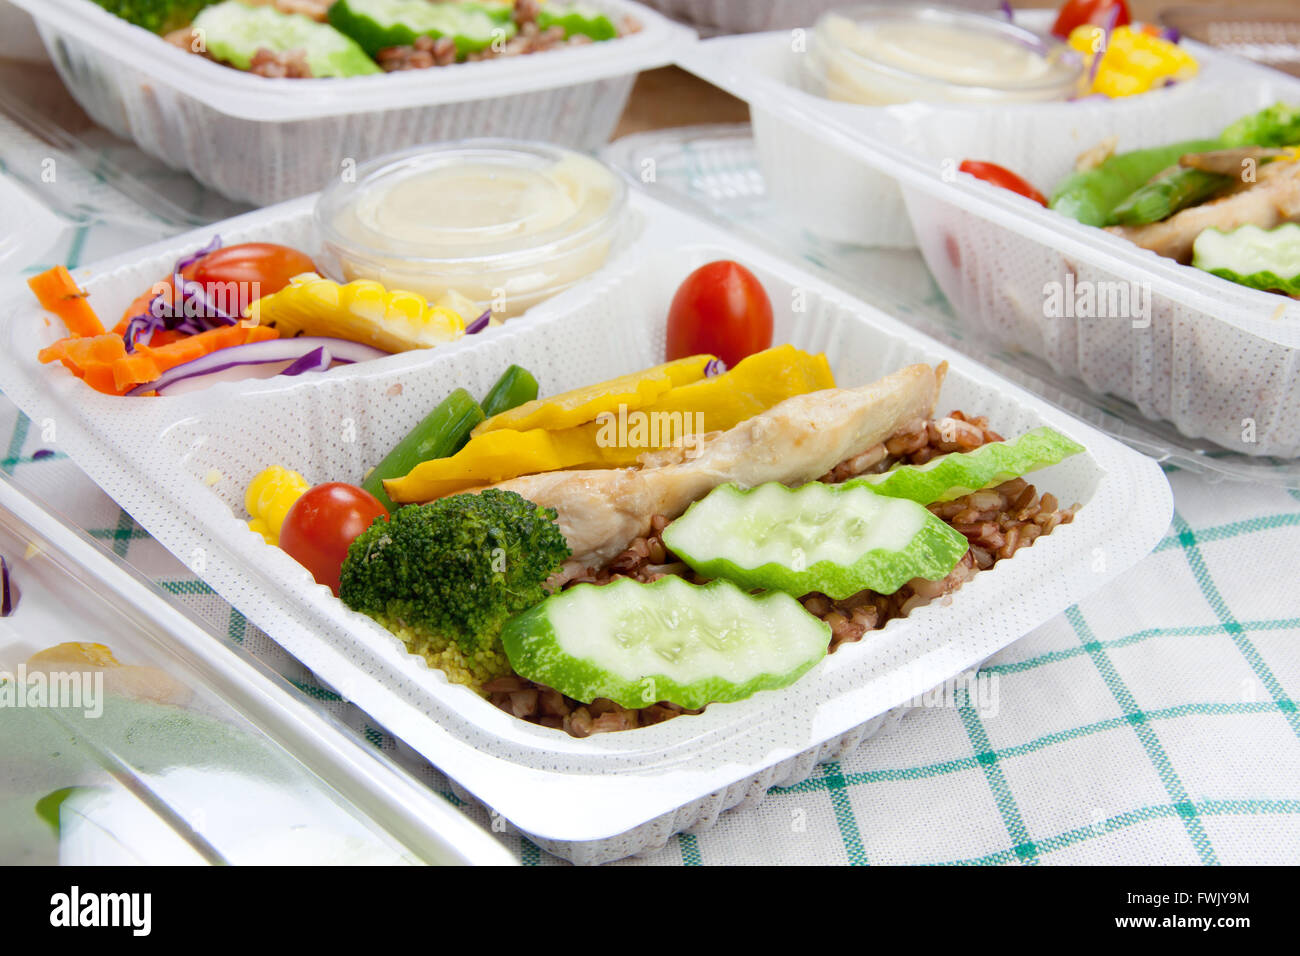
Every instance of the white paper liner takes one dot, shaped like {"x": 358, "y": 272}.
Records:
{"x": 612, "y": 794}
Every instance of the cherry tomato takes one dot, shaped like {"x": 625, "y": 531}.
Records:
{"x": 269, "y": 265}
{"x": 721, "y": 309}
{"x": 323, "y": 522}
{"x": 1097, "y": 12}
{"x": 1001, "y": 176}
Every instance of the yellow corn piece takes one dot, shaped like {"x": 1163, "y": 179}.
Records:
{"x": 620, "y": 437}
{"x": 1133, "y": 60}
{"x": 361, "y": 311}
{"x": 269, "y": 497}
{"x": 582, "y": 405}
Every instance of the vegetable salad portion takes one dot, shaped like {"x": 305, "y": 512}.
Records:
{"x": 1228, "y": 204}
{"x": 301, "y": 39}
{"x": 251, "y": 310}
{"x": 690, "y": 534}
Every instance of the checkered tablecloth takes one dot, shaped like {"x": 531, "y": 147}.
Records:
{"x": 1155, "y": 722}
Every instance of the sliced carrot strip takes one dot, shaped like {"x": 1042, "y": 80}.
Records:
{"x": 56, "y": 290}
{"x": 148, "y": 362}
{"x": 140, "y": 305}
{"x": 90, "y": 358}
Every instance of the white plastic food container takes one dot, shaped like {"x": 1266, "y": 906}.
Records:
{"x": 1217, "y": 360}
{"x": 180, "y": 467}
{"x": 751, "y": 16}
{"x": 264, "y": 140}
{"x": 837, "y": 193}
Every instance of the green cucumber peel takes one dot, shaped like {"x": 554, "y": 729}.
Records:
{"x": 945, "y": 477}
{"x": 577, "y": 19}
{"x": 377, "y": 24}
{"x": 833, "y": 539}
{"x": 1267, "y": 259}
{"x": 637, "y": 644}
{"x": 234, "y": 32}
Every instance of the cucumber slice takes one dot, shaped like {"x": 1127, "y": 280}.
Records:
{"x": 638, "y": 644}
{"x": 960, "y": 473}
{"x": 376, "y": 24}
{"x": 577, "y": 18}
{"x": 234, "y": 32}
{"x": 835, "y": 539}
{"x": 1251, "y": 256}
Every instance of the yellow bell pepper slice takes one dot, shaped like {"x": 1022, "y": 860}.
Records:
{"x": 619, "y": 438}
{"x": 360, "y": 311}
{"x": 581, "y": 405}
{"x": 713, "y": 404}
{"x": 487, "y": 459}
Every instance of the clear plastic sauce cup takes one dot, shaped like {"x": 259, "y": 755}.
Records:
{"x": 505, "y": 223}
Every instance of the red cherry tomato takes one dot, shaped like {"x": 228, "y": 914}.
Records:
{"x": 322, "y": 523}
{"x": 1001, "y": 176}
{"x": 269, "y": 265}
{"x": 1097, "y": 12}
{"x": 721, "y": 309}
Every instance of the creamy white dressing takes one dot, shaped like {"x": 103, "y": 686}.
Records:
{"x": 504, "y": 227}
{"x": 911, "y": 57}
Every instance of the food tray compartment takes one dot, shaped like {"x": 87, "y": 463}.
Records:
{"x": 1217, "y": 360}
{"x": 179, "y": 466}
{"x": 841, "y": 195}
{"x": 263, "y": 141}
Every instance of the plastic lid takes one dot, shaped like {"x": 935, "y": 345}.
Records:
{"x": 872, "y": 41}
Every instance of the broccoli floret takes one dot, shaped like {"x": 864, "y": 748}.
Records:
{"x": 446, "y": 576}
{"x": 159, "y": 16}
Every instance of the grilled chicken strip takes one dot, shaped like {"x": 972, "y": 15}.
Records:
{"x": 602, "y": 511}
{"x": 1271, "y": 201}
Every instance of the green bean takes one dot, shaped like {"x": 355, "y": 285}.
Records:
{"x": 515, "y": 387}
{"x": 1091, "y": 196}
{"x": 439, "y": 434}
{"x": 1166, "y": 195}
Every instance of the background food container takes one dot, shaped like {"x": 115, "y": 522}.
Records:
{"x": 507, "y": 247}
{"x": 1217, "y": 360}
{"x": 609, "y": 795}
{"x": 262, "y": 141}
{"x": 751, "y": 16}
{"x": 837, "y": 66}
{"x": 841, "y": 196}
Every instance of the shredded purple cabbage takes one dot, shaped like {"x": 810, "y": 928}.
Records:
{"x": 140, "y": 328}
{"x": 8, "y": 593}
{"x": 42, "y": 453}
{"x": 714, "y": 367}
{"x": 317, "y": 360}
{"x": 479, "y": 324}
{"x": 1007, "y": 12}
{"x": 196, "y": 305}
{"x": 187, "y": 261}
{"x": 1171, "y": 35}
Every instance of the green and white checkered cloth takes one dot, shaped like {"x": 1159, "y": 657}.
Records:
{"x": 1154, "y": 723}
